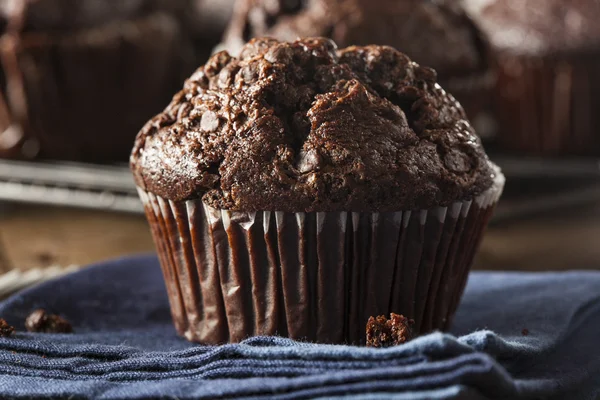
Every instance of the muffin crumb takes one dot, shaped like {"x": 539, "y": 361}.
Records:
{"x": 42, "y": 321}
{"x": 6, "y": 330}
{"x": 383, "y": 332}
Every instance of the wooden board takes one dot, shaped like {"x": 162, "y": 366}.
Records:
{"x": 36, "y": 236}
{"x": 566, "y": 240}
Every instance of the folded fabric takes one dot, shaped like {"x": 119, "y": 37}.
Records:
{"x": 516, "y": 336}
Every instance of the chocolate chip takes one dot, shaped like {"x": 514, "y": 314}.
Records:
{"x": 209, "y": 121}
{"x": 279, "y": 54}
{"x": 457, "y": 161}
{"x": 216, "y": 63}
{"x": 308, "y": 161}
{"x": 426, "y": 74}
{"x": 41, "y": 321}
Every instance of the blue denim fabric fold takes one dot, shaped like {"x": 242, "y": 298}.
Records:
{"x": 124, "y": 346}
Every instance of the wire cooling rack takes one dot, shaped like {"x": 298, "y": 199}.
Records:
{"x": 103, "y": 187}
{"x": 533, "y": 185}
{"x": 16, "y": 279}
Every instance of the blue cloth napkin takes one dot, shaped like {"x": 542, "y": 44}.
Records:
{"x": 126, "y": 348}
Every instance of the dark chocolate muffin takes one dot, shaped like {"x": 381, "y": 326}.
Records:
{"x": 299, "y": 189}
{"x": 548, "y": 89}
{"x": 438, "y": 34}
{"x": 78, "y": 78}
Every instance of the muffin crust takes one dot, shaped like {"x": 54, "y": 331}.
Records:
{"x": 303, "y": 126}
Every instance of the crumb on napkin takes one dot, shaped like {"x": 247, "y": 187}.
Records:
{"x": 383, "y": 332}
{"x": 6, "y": 330}
{"x": 41, "y": 321}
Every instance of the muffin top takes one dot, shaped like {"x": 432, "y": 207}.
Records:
{"x": 538, "y": 27}
{"x": 66, "y": 15}
{"x": 438, "y": 34}
{"x": 302, "y": 126}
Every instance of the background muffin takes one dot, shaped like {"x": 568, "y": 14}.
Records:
{"x": 548, "y": 91}
{"x": 208, "y": 22}
{"x": 299, "y": 189}
{"x": 437, "y": 34}
{"x": 79, "y": 78}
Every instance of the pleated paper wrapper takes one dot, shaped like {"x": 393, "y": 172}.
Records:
{"x": 313, "y": 276}
{"x": 549, "y": 107}
{"x": 57, "y": 87}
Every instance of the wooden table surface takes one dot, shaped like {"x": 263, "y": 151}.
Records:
{"x": 33, "y": 236}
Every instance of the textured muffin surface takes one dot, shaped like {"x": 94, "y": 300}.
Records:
{"x": 303, "y": 126}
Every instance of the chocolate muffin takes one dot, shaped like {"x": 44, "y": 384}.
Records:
{"x": 79, "y": 78}
{"x": 299, "y": 189}
{"x": 548, "y": 89}
{"x": 438, "y": 34}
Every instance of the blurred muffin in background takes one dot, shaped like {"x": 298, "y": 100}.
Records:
{"x": 209, "y": 21}
{"x": 438, "y": 34}
{"x": 548, "y": 89}
{"x": 78, "y": 78}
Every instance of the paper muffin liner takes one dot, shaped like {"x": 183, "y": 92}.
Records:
{"x": 549, "y": 107}
{"x": 313, "y": 276}
{"x": 84, "y": 95}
